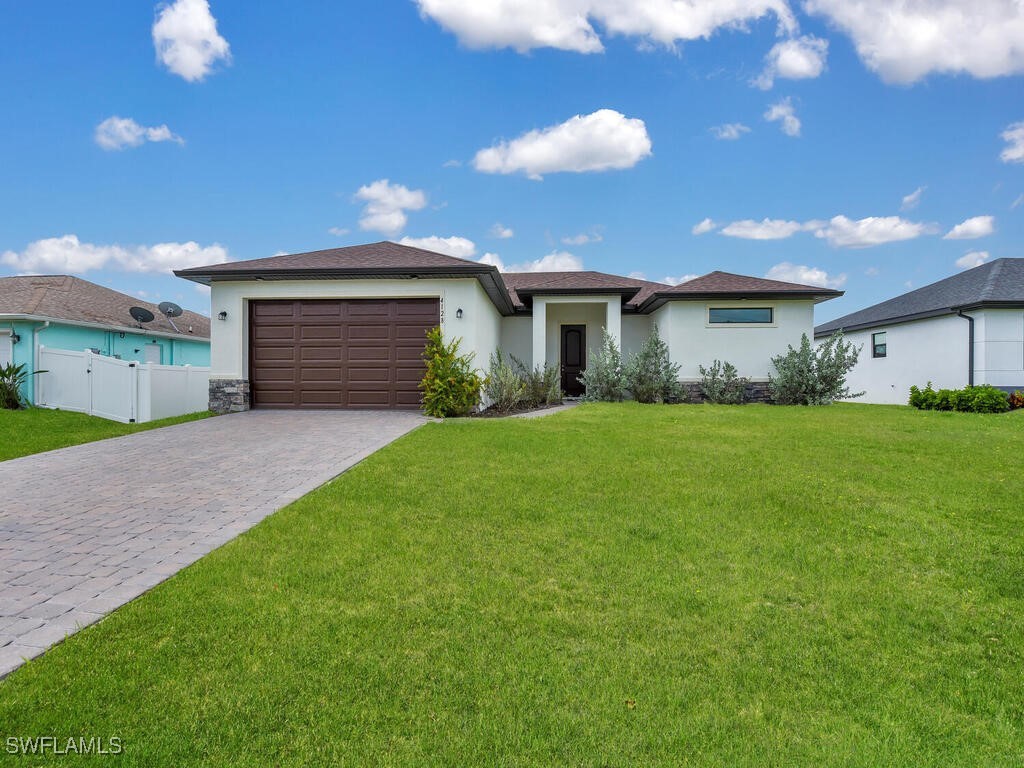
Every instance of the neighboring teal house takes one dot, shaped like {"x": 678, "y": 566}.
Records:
{"x": 64, "y": 312}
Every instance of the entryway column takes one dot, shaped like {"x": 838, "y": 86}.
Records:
{"x": 613, "y": 321}
{"x": 540, "y": 321}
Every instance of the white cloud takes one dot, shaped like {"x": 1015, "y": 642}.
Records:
{"x": 67, "y": 254}
{"x": 459, "y": 247}
{"x": 912, "y": 200}
{"x": 1017, "y": 202}
{"x": 121, "y": 132}
{"x": 705, "y": 225}
{"x": 186, "y": 39}
{"x": 556, "y": 261}
{"x": 973, "y": 259}
{"x": 568, "y": 24}
{"x": 600, "y": 141}
{"x": 800, "y": 58}
{"x": 975, "y": 227}
{"x": 583, "y": 238}
{"x": 452, "y": 164}
{"x": 783, "y": 113}
{"x": 766, "y": 229}
{"x": 500, "y": 232}
{"x": 905, "y": 40}
{"x": 1013, "y": 152}
{"x": 798, "y": 273}
{"x": 669, "y": 280}
{"x": 729, "y": 131}
{"x": 637, "y": 275}
{"x": 842, "y": 232}
{"x": 872, "y": 272}
{"x": 338, "y": 231}
{"x": 386, "y": 204}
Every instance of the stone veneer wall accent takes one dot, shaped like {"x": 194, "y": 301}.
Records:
{"x": 229, "y": 395}
{"x": 756, "y": 392}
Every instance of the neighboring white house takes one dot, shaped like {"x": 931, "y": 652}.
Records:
{"x": 344, "y": 328}
{"x": 966, "y": 329}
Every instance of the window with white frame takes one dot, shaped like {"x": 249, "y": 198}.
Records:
{"x": 878, "y": 348}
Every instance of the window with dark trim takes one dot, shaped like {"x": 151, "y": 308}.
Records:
{"x": 878, "y": 344}
{"x": 740, "y": 315}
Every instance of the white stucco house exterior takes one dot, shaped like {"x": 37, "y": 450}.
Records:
{"x": 965, "y": 329}
{"x": 344, "y": 328}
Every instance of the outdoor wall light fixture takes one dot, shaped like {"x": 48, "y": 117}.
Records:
{"x": 458, "y": 313}
{"x": 222, "y": 315}
{"x": 15, "y": 338}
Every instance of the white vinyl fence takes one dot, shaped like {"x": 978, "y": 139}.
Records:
{"x": 119, "y": 390}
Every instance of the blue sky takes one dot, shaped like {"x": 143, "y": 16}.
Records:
{"x": 252, "y": 128}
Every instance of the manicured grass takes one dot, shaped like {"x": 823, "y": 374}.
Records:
{"x": 35, "y": 430}
{"x": 614, "y": 585}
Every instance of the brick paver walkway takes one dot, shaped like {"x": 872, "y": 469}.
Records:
{"x": 85, "y": 529}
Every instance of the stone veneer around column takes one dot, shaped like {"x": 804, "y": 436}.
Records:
{"x": 229, "y": 395}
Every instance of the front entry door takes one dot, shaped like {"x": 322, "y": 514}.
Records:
{"x": 574, "y": 358}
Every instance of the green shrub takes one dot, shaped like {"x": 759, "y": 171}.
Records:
{"x": 983, "y": 398}
{"x": 604, "y": 378}
{"x": 814, "y": 375}
{"x": 651, "y": 376}
{"x": 543, "y": 385}
{"x": 720, "y": 384}
{"x": 12, "y": 379}
{"x": 450, "y": 386}
{"x": 502, "y": 386}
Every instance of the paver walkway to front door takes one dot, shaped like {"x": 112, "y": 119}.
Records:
{"x": 85, "y": 529}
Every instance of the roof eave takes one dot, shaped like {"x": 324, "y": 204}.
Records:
{"x": 900, "y": 319}
{"x": 12, "y": 316}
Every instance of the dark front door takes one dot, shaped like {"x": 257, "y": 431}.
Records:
{"x": 574, "y": 358}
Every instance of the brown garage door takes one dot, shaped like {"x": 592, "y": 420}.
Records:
{"x": 357, "y": 353}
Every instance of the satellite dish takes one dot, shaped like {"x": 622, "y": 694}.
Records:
{"x": 141, "y": 315}
{"x": 170, "y": 310}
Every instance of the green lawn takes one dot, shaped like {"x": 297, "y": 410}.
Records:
{"x": 35, "y": 430}
{"x": 616, "y": 585}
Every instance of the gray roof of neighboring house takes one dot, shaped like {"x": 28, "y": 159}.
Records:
{"x": 1000, "y": 282}
{"x": 507, "y": 290}
{"x": 62, "y": 297}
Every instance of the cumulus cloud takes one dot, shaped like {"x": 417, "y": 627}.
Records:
{"x": 556, "y": 261}
{"x": 1013, "y": 152}
{"x": 186, "y": 39}
{"x": 912, "y": 200}
{"x": 569, "y": 24}
{"x": 804, "y": 275}
{"x": 386, "y": 206}
{"x": 703, "y": 226}
{"x": 800, "y": 58}
{"x": 583, "y": 238}
{"x": 669, "y": 280}
{"x": 782, "y": 112}
{"x": 842, "y": 232}
{"x": 972, "y": 228}
{"x": 122, "y": 132}
{"x": 500, "y": 232}
{"x": 905, "y": 40}
{"x": 729, "y": 131}
{"x": 459, "y": 247}
{"x": 338, "y": 231}
{"x": 766, "y": 229}
{"x": 601, "y": 141}
{"x": 972, "y": 259}
{"x": 67, "y": 254}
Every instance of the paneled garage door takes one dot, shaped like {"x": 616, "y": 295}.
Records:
{"x": 353, "y": 353}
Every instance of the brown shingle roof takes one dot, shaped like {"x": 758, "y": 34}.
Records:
{"x": 384, "y": 255}
{"x": 729, "y": 283}
{"x": 62, "y": 297}
{"x": 527, "y": 283}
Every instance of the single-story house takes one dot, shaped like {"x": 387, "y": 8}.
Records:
{"x": 966, "y": 329}
{"x": 344, "y": 328}
{"x": 64, "y": 312}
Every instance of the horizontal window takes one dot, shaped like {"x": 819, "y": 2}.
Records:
{"x": 740, "y": 315}
{"x": 878, "y": 344}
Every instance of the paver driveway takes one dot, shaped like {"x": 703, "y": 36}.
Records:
{"x": 86, "y": 529}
